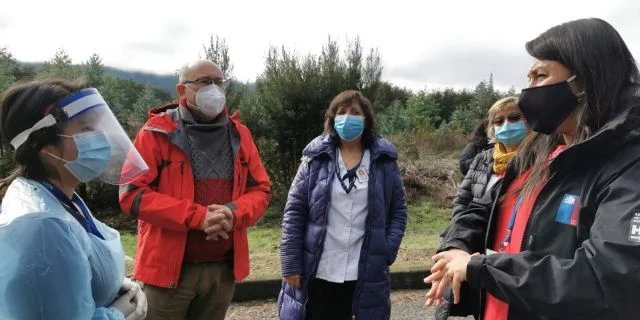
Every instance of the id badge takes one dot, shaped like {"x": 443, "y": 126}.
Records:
{"x": 362, "y": 175}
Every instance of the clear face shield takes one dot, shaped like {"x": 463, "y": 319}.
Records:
{"x": 104, "y": 149}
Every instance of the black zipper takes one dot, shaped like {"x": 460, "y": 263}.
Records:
{"x": 240, "y": 177}
{"x": 181, "y": 179}
{"x": 176, "y": 267}
{"x": 534, "y": 218}
{"x": 239, "y": 189}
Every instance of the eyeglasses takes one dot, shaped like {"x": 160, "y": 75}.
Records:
{"x": 514, "y": 117}
{"x": 208, "y": 81}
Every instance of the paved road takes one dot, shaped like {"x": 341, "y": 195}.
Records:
{"x": 406, "y": 305}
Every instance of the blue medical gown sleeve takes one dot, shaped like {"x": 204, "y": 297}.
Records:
{"x": 51, "y": 278}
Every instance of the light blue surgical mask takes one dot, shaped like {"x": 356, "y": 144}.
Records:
{"x": 94, "y": 154}
{"x": 349, "y": 127}
{"x": 511, "y": 134}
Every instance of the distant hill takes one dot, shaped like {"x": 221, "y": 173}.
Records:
{"x": 162, "y": 81}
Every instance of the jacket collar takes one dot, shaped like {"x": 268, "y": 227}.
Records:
{"x": 326, "y": 145}
{"x": 162, "y": 119}
{"x": 621, "y": 130}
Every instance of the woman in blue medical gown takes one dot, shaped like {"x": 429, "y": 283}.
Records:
{"x": 56, "y": 260}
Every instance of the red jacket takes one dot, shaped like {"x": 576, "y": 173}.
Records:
{"x": 163, "y": 200}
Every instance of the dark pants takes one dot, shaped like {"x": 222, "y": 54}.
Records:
{"x": 204, "y": 293}
{"x": 328, "y": 300}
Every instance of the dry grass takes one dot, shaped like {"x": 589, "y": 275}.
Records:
{"x": 425, "y": 223}
{"x": 429, "y": 165}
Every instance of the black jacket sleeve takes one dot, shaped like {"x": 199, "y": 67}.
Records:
{"x": 602, "y": 277}
{"x": 468, "y": 230}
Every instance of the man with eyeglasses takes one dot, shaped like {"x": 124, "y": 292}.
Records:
{"x": 206, "y": 185}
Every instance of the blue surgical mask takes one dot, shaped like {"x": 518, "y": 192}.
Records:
{"x": 511, "y": 134}
{"x": 94, "y": 153}
{"x": 349, "y": 127}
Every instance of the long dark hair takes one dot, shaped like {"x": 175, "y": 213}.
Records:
{"x": 597, "y": 55}
{"x": 346, "y": 98}
{"x": 21, "y": 106}
{"x": 479, "y": 133}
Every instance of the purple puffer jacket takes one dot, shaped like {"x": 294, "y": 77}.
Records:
{"x": 305, "y": 222}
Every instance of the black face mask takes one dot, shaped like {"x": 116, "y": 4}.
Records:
{"x": 545, "y": 107}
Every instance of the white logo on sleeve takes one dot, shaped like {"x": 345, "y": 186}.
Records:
{"x": 634, "y": 231}
{"x": 570, "y": 200}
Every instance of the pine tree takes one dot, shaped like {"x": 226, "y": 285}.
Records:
{"x": 218, "y": 51}
{"x": 60, "y": 66}
{"x": 93, "y": 69}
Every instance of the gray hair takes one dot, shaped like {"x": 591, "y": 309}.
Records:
{"x": 182, "y": 73}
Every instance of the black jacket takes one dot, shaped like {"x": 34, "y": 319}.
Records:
{"x": 472, "y": 188}
{"x": 471, "y": 150}
{"x": 586, "y": 270}
{"x": 475, "y": 182}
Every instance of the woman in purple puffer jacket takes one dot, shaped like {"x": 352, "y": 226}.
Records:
{"x": 344, "y": 220}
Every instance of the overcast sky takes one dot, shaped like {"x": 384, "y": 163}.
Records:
{"x": 424, "y": 44}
